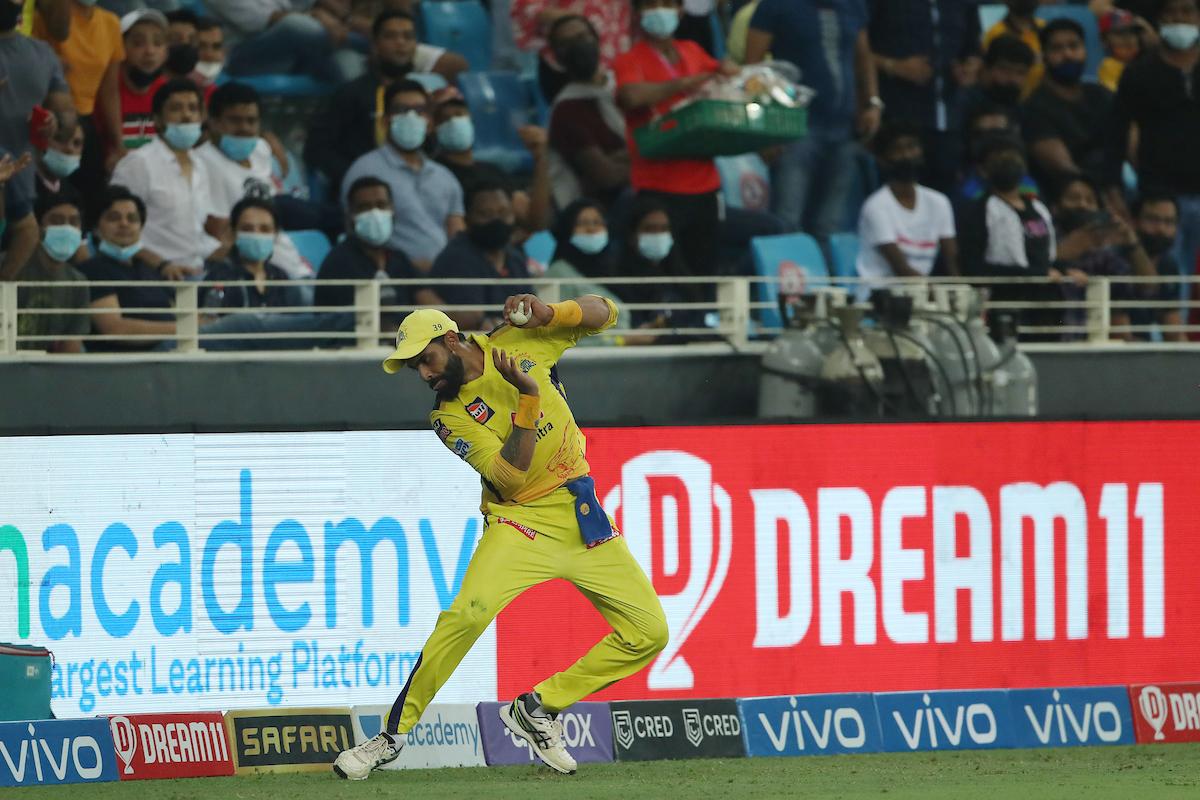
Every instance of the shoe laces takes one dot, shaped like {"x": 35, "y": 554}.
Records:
{"x": 378, "y": 747}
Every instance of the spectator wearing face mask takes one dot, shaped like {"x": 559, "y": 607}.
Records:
{"x": 144, "y": 33}
{"x": 1021, "y": 22}
{"x": 210, "y": 52}
{"x": 534, "y": 20}
{"x": 588, "y": 155}
{"x": 60, "y": 223}
{"x": 255, "y": 228}
{"x": 454, "y": 136}
{"x": 1156, "y": 220}
{"x": 59, "y": 162}
{"x": 183, "y": 55}
{"x": 657, "y": 73}
{"x": 1007, "y": 234}
{"x": 1065, "y": 120}
{"x": 1157, "y": 97}
{"x": 355, "y": 120}
{"x": 427, "y": 197}
{"x": 987, "y": 121}
{"x": 483, "y": 251}
{"x": 118, "y": 240}
{"x": 586, "y": 255}
{"x": 91, "y": 54}
{"x": 365, "y": 254}
{"x": 904, "y": 227}
{"x": 1093, "y": 243}
{"x": 1006, "y": 65}
{"x": 174, "y": 184}
{"x": 650, "y": 250}
{"x": 238, "y": 159}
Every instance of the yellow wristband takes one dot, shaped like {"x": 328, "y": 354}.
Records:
{"x": 567, "y": 314}
{"x": 528, "y": 409}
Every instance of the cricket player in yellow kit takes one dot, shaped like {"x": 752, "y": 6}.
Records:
{"x": 501, "y": 408}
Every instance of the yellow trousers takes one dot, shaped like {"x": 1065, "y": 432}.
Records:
{"x": 505, "y": 564}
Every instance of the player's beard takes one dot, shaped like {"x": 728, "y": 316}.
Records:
{"x": 452, "y": 376}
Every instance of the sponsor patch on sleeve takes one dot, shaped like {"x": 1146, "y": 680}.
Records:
{"x": 441, "y": 429}
{"x": 461, "y": 448}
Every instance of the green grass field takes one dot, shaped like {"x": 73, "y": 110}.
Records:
{"x": 1162, "y": 771}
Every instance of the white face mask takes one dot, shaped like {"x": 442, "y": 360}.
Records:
{"x": 210, "y": 69}
{"x": 1179, "y": 36}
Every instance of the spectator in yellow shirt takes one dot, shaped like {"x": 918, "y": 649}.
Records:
{"x": 1119, "y": 31}
{"x": 91, "y": 54}
{"x": 1021, "y": 22}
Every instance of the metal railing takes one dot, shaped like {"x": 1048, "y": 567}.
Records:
{"x": 740, "y": 311}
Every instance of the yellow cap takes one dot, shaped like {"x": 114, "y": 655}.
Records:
{"x": 417, "y": 330}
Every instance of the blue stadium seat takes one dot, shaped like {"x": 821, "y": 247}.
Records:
{"x": 459, "y": 25}
{"x": 793, "y": 263}
{"x": 286, "y": 85}
{"x": 430, "y": 80}
{"x": 498, "y": 106}
{"x": 718, "y": 35}
{"x": 540, "y": 247}
{"x": 989, "y": 15}
{"x": 745, "y": 182}
{"x": 844, "y": 250}
{"x": 313, "y": 246}
{"x": 1091, "y": 31}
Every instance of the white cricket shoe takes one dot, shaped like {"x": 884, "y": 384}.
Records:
{"x": 356, "y": 763}
{"x": 543, "y": 732}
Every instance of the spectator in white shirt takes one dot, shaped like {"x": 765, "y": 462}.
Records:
{"x": 238, "y": 158}
{"x": 903, "y": 226}
{"x": 180, "y": 218}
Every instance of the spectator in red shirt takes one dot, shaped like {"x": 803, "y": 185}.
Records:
{"x": 658, "y": 73}
{"x": 145, "y": 35}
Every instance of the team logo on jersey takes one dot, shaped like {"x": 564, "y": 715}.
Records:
{"x": 480, "y": 411}
{"x": 461, "y": 447}
{"x": 441, "y": 429}
{"x": 527, "y": 365}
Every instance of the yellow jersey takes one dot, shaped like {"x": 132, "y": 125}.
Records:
{"x": 476, "y": 423}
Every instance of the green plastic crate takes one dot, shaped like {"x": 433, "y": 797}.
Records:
{"x": 25, "y": 682}
{"x": 709, "y": 128}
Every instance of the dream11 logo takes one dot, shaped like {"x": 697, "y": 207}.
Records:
{"x": 692, "y": 548}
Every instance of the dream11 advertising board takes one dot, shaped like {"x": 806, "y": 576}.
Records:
{"x": 821, "y": 558}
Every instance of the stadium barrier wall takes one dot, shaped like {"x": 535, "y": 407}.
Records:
{"x": 164, "y": 746}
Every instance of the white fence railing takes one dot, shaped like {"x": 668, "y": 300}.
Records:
{"x": 737, "y": 310}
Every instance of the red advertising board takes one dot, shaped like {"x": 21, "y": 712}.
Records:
{"x": 1166, "y": 712}
{"x": 839, "y": 558}
{"x": 171, "y": 745}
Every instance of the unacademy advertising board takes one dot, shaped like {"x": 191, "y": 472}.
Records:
{"x": 235, "y": 571}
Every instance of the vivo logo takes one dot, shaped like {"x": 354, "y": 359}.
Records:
{"x": 935, "y": 728}
{"x": 1064, "y": 723}
{"x": 843, "y": 724}
{"x": 37, "y": 758}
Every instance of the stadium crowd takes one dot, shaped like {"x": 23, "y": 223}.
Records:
{"x": 1057, "y": 143}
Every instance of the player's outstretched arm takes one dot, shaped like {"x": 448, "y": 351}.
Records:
{"x": 518, "y": 447}
{"x": 590, "y": 311}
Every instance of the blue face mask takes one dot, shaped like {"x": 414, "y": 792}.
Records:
{"x": 59, "y": 163}
{"x": 456, "y": 134}
{"x": 182, "y": 136}
{"x": 119, "y": 253}
{"x": 408, "y": 130}
{"x": 61, "y": 241}
{"x": 655, "y": 246}
{"x": 590, "y": 243}
{"x": 373, "y": 227}
{"x": 660, "y": 22}
{"x": 255, "y": 247}
{"x": 238, "y": 148}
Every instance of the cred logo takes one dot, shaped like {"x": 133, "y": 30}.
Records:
{"x": 706, "y": 519}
